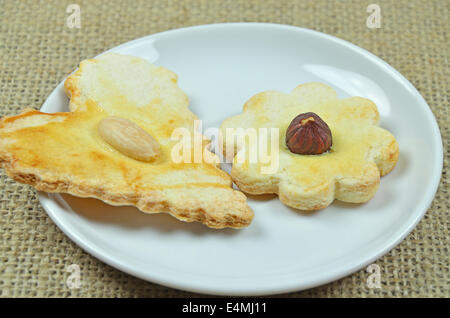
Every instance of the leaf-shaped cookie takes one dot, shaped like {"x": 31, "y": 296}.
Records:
{"x": 64, "y": 152}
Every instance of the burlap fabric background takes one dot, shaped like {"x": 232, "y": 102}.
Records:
{"x": 37, "y": 51}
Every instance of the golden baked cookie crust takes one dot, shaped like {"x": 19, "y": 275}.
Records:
{"x": 63, "y": 152}
{"x": 349, "y": 172}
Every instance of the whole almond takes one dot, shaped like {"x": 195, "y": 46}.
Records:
{"x": 128, "y": 138}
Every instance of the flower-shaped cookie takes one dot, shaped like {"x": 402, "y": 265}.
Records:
{"x": 350, "y": 171}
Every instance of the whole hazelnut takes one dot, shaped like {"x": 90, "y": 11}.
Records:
{"x": 308, "y": 134}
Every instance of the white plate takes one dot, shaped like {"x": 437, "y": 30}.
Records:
{"x": 220, "y": 66}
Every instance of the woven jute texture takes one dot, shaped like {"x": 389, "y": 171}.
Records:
{"x": 38, "y": 50}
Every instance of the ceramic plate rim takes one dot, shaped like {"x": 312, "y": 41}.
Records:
{"x": 296, "y": 286}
